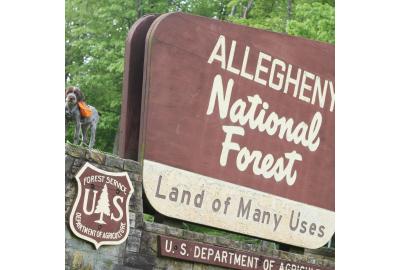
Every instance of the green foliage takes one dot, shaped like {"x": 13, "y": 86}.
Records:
{"x": 95, "y": 33}
{"x": 314, "y": 21}
{"x": 273, "y": 24}
{"x": 311, "y": 19}
{"x": 148, "y": 218}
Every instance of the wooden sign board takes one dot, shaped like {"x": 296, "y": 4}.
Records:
{"x": 237, "y": 129}
{"x": 226, "y": 257}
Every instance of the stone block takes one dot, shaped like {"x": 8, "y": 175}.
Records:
{"x": 149, "y": 244}
{"x": 194, "y": 236}
{"x": 78, "y": 163}
{"x": 267, "y": 245}
{"x": 139, "y": 220}
{"x": 75, "y": 151}
{"x": 134, "y": 176}
{"x": 136, "y": 200}
{"x": 140, "y": 261}
{"x": 225, "y": 241}
{"x": 131, "y": 166}
{"x": 69, "y": 161}
{"x": 180, "y": 265}
{"x": 70, "y": 193}
{"x": 81, "y": 260}
{"x": 76, "y": 243}
{"x": 67, "y": 234}
{"x": 104, "y": 262}
{"x": 133, "y": 241}
{"x": 172, "y": 231}
{"x": 108, "y": 168}
{"x": 155, "y": 227}
{"x": 200, "y": 266}
{"x": 113, "y": 161}
{"x": 135, "y": 232}
{"x": 163, "y": 262}
{"x": 96, "y": 157}
{"x": 122, "y": 267}
{"x": 210, "y": 239}
{"x": 132, "y": 220}
{"x": 249, "y": 247}
{"x": 112, "y": 250}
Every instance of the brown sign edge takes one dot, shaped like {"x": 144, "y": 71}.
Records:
{"x": 145, "y": 87}
{"x": 134, "y": 48}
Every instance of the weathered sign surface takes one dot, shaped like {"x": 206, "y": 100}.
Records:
{"x": 100, "y": 212}
{"x": 221, "y": 256}
{"x": 237, "y": 129}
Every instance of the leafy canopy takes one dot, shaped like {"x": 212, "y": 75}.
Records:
{"x": 95, "y": 33}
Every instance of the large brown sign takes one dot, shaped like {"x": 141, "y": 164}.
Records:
{"x": 237, "y": 129}
{"x": 100, "y": 213}
{"x": 226, "y": 257}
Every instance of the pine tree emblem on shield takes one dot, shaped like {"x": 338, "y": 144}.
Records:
{"x": 100, "y": 213}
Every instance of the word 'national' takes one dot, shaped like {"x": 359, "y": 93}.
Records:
{"x": 272, "y": 124}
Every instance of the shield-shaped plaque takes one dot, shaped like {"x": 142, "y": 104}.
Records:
{"x": 101, "y": 208}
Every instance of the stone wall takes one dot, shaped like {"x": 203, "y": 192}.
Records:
{"x": 139, "y": 251}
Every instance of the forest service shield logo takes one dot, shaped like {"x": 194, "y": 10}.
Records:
{"x": 100, "y": 212}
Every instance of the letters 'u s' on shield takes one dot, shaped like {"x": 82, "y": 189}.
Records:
{"x": 237, "y": 129}
{"x": 100, "y": 213}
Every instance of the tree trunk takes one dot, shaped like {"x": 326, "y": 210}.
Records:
{"x": 289, "y": 13}
{"x": 139, "y": 9}
{"x": 116, "y": 140}
{"x": 233, "y": 11}
{"x": 247, "y": 9}
{"x": 100, "y": 220}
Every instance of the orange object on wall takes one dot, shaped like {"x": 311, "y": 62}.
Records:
{"x": 84, "y": 109}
